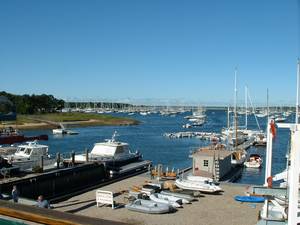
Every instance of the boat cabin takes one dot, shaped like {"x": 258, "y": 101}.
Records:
{"x": 31, "y": 150}
{"x": 110, "y": 149}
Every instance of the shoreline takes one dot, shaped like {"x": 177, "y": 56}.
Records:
{"x": 53, "y": 120}
{"x": 88, "y": 123}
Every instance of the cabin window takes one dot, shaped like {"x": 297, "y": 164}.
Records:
{"x": 119, "y": 150}
{"x": 205, "y": 163}
{"x": 21, "y": 149}
{"x": 27, "y": 151}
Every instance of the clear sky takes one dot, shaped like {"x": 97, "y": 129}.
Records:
{"x": 150, "y": 49}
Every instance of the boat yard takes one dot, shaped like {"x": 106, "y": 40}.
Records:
{"x": 207, "y": 209}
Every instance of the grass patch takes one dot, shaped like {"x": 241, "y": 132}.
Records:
{"x": 76, "y": 117}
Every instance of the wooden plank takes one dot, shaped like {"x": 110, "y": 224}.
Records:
{"x": 32, "y": 217}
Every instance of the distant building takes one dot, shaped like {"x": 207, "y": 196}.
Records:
{"x": 213, "y": 162}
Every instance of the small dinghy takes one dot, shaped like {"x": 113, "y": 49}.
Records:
{"x": 254, "y": 161}
{"x": 186, "y": 199}
{"x": 206, "y": 187}
{"x": 171, "y": 200}
{"x": 255, "y": 199}
{"x": 148, "y": 206}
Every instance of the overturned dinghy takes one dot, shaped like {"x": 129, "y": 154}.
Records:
{"x": 148, "y": 206}
{"x": 166, "y": 199}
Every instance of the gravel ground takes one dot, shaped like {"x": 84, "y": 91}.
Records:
{"x": 207, "y": 210}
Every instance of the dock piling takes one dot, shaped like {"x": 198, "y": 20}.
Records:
{"x": 57, "y": 160}
{"x": 42, "y": 163}
{"x": 86, "y": 155}
{"x": 73, "y": 158}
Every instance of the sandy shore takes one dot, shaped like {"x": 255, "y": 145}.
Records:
{"x": 208, "y": 210}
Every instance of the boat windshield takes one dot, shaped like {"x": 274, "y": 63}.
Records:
{"x": 21, "y": 150}
{"x": 27, "y": 151}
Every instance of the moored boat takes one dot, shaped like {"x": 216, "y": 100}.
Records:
{"x": 10, "y": 136}
{"x": 254, "y": 161}
{"x": 111, "y": 152}
{"x": 63, "y": 130}
{"x": 29, "y": 155}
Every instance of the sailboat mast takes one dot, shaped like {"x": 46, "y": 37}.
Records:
{"x": 235, "y": 108}
{"x": 297, "y": 97}
{"x": 246, "y": 106}
{"x": 267, "y": 105}
{"x": 228, "y": 119}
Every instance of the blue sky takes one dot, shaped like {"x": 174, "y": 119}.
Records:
{"x": 170, "y": 49}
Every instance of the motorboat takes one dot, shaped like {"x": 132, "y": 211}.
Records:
{"x": 254, "y": 161}
{"x": 260, "y": 139}
{"x": 186, "y": 198}
{"x": 187, "y": 125}
{"x": 111, "y": 152}
{"x": 198, "y": 123}
{"x": 280, "y": 119}
{"x": 63, "y": 130}
{"x": 199, "y": 178}
{"x": 207, "y": 187}
{"x": 9, "y": 135}
{"x": 28, "y": 155}
{"x": 167, "y": 199}
{"x": 148, "y": 206}
{"x": 143, "y": 113}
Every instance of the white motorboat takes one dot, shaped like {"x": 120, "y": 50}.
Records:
{"x": 111, "y": 152}
{"x": 63, "y": 130}
{"x": 28, "y": 155}
{"x": 254, "y": 161}
{"x": 280, "y": 119}
{"x": 207, "y": 187}
{"x": 166, "y": 199}
{"x": 187, "y": 125}
{"x": 199, "y": 178}
{"x": 143, "y": 113}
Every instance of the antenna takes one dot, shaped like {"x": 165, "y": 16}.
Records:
{"x": 235, "y": 108}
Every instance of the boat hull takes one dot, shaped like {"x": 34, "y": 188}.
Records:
{"x": 197, "y": 186}
{"x": 11, "y": 139}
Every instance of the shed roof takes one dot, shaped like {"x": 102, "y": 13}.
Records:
{"x": 210, "y": 151}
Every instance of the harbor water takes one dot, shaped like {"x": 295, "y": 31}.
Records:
{"x": 149, "y": 140}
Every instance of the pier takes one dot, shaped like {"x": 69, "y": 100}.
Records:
{"x": 79, "y": 178}
{"x": 207, "y": 209}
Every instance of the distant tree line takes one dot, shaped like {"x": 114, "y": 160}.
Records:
{"x": 82, "y": 105}
{"x": 30, "y": 104}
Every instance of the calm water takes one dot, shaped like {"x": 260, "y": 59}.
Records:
{"x": 148, "y": 138}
